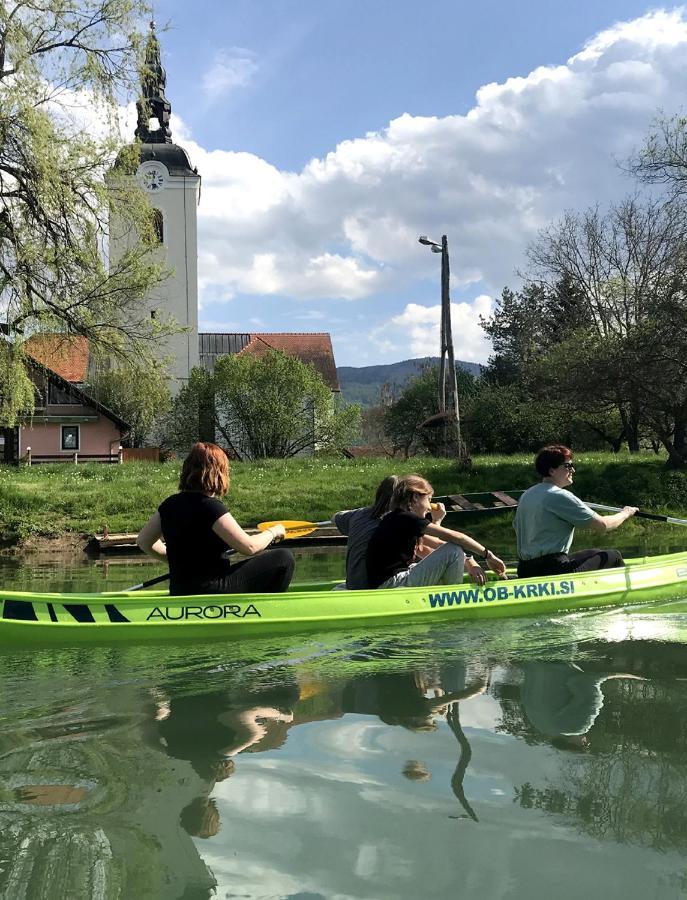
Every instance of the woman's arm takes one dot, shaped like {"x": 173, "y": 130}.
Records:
{"x": 227, "y": 528}
{"x": 150, "y": 538}
{"x": 467, "y": 543}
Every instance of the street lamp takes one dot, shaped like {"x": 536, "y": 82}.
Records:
{"x": 449, "y": 408}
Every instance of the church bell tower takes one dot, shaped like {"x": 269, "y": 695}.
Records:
{"x": 173, "y": 188}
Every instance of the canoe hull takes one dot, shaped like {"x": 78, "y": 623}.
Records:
{"x": 154, "y": 615}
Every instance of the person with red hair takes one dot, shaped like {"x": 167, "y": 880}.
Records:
{"x": 546, "y": 517}
{"x": 191, "y": 531}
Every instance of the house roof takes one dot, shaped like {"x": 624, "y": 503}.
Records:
{"x": 62, "y": 356}
{"x": 314, "y": 348}
{"x": 81, "y": 396}
{"x": 65, "y": 354}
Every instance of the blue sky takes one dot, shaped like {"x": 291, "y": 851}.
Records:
{"x": 329, "y": 135}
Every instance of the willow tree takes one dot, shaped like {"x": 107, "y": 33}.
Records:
{"x": 58, "y": 59}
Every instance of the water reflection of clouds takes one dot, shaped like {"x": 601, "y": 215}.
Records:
{"x": 355, "y": 843}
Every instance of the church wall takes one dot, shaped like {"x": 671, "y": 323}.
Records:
{"x": 176, "y": 297}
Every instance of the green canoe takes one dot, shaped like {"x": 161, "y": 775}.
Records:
{"x": 67, "y": 618}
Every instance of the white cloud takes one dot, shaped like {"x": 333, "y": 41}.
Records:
{"x": 421, "y": 324}
{"x": 347, "y": 224}
{"x": 230, "y": 69}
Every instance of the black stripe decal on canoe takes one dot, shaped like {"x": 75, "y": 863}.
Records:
{"x": 114, "y": 614}
{"x": 80, "y": 612}
{"x": 51, "y": 612}
{"x": 19, "y": 609}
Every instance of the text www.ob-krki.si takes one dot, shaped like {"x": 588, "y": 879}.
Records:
{"x": 466, "y": 596}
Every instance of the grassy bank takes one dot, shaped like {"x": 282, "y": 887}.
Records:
{"x": 60, "y": 499}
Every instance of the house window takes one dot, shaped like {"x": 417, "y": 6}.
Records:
{"x": 70, "y": 437}
{"x": 59, "y": 396}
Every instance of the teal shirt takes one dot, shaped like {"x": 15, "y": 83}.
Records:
{"x": 545, "y": 520}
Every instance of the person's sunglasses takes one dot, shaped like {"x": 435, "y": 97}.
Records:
{"x": 568, "y": 465}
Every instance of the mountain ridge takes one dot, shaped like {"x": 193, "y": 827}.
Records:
{"x": 362, "y": 384}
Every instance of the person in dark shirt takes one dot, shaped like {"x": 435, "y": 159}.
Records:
{"x": 391, "y": 552}
{"x": 197, "y": 528}
{"x": 359, "y": 525}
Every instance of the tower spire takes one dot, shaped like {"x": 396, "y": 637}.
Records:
{"x": 152, "y": 103}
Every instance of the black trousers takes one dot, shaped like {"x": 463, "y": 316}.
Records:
{"x": 564, "y": 563}
{"x": 268, "y": 573}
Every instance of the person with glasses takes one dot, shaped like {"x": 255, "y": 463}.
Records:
{"x": 546, "y": 517}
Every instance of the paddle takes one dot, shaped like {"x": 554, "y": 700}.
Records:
{"x": 295, "y": 528}
{"x": 640, "y": 514}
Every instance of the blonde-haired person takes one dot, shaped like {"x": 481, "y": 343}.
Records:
{"x": 391, "y": 550}
{"x": 197, "y": 528}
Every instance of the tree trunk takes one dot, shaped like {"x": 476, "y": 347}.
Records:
{"x": 677, "y": 448}
{"x": 633, "y": 432}
{"x": 630, "y": 420}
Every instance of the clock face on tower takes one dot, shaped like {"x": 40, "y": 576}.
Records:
{"x": 152, "y": 178}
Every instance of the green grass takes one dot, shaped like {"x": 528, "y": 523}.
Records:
{"x": 61, "y": 498}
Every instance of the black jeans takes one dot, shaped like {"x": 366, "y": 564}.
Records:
{"x": 564, "y": 563}
{"x": 268, "y": 573}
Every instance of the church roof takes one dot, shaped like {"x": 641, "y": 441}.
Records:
{"x": 172, "y": 156}
{"x": 65, "y": 354}
{"x": 315, "y": 348}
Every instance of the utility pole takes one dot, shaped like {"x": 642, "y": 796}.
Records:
{"x": 449, "y": 405}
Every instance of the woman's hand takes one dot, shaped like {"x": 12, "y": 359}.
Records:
{"x": 496, "y": 565}
{"x": 475, "y": 572}
{"x": 279, "y": 532}
{"x": 438, "y": 513}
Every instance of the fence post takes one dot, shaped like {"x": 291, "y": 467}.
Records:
{"x": 121, "y": 454}
{"x": 76, "y": 458}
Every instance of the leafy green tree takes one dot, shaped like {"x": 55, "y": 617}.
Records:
{"x": 629, "y": 266}
{"x": 139, "y": 396}
{"x": 417, "y": 403}
{"x": 55, "y": 203}
{"x": 501, "y": 421}
{"x": 190, "y": 417}
{"x": 272, "y": 405}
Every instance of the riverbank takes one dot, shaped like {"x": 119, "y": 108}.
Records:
{"x": 62, "y": 501}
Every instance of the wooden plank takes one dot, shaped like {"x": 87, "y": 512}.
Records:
{"x": 464, "y": 503}
{"x": 506, "y": 499}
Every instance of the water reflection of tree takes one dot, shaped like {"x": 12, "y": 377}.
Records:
{"x": 626, "y": 778}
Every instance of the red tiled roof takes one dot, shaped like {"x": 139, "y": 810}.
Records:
{"x": 66, "y": 354}
{"x": 310, "y": 348}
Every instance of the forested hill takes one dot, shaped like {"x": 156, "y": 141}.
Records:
{"x": 362, "y": 384}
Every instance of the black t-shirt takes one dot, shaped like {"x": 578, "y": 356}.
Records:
{"x": 392, "y": 546}
{"x": 194, "y": 551}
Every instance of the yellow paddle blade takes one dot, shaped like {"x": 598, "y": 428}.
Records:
{"x": 294, "y": 528}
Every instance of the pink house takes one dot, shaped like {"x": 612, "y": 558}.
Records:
{"x": 67, "y": 420}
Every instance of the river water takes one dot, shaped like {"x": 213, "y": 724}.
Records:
{"x": 523, "y": 758}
